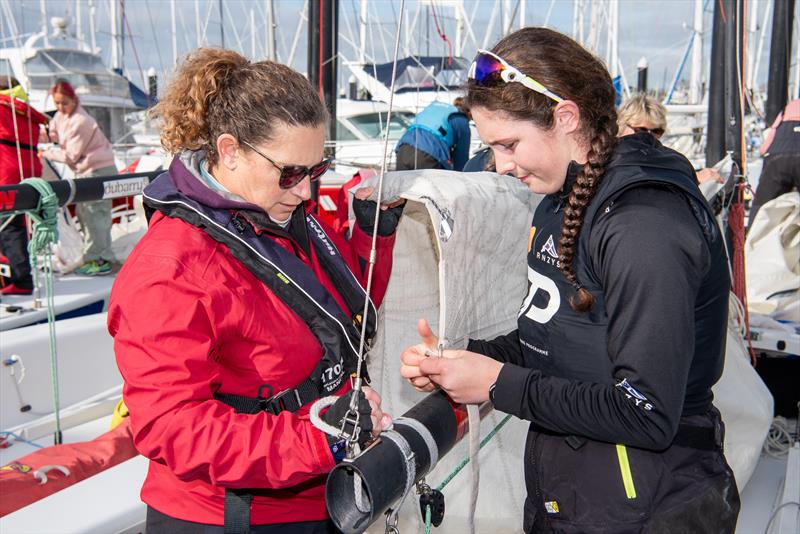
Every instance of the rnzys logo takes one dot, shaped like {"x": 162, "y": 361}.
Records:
{"x": 633, "y": 394}
{"x": 548, "y": 252}
{"x": 539, "y": 282}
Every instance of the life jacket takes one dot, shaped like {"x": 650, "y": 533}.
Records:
{"x": 561, "y": 341}
{"x": 435, "y": 119}
{"x": 288, "y": 277}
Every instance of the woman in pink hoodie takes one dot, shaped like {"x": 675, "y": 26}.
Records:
{"x": 87, "y": 151}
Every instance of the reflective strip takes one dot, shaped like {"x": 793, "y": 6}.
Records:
{"x": 625, "y": 470}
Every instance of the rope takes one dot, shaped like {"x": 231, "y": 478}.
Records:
{"x": 357, "y": 382}
{"x": 461, "y": 466}
{"x": 45, "y": 234}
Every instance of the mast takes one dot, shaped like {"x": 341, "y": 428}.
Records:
{"x": 78, "y": 21}
{"x": 696, "y": 78}
{"x": 752, "y": 43}
{"x": 43, "y": 14}
{"x": 92, "y": 32}
{"x": 715, "y": 131}
{"x": 174, "y": 33}
{"x": 272, "y": 48}
{"x": 614, "y": 31}
{"x": 362, "y": 32}
{"x": 197, "y": 23}
{"x": 221, "y": 23}
{"x": 780, "y": 50}
{"x": 323, "y": 48}
{"x": 116, "y": 48}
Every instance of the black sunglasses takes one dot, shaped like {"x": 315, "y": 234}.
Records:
{"x": 291, "y": 175}
{"x": 658, "y": 132}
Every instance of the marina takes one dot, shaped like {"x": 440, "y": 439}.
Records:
{"x": 457, "y": 256}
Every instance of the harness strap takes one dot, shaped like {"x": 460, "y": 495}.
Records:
{"x": 237, "y": 511}
{"x": 237, "y": 501}
{"x": 23, "y": 146}
{"x": 289, "y": 400}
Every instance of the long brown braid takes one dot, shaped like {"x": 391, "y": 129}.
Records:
{"x": 567, "y": 69}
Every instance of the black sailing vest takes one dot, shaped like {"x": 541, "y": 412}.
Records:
{"x": 287, "y": 276}
{"x": 555, "y": 338}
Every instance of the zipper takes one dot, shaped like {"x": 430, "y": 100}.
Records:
{"x": 625, "y": 471}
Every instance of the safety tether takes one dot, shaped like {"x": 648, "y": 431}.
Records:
{"x": 45, "y": 234}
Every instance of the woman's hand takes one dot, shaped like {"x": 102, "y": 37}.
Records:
{"x": 364, "y": 211}
{"x": 412, "y": 356}
{"x": 380, "y": 421}
{"x": 465, "y": 376}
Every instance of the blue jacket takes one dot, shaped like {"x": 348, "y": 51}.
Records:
{"x": 452, "y": 157}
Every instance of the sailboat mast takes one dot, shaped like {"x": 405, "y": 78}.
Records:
{"x": 272, "y": 48}
{"x": 696, "y": 76}
{"x": 174, "y": 32}
{"x": 780, "y": 50}
{"x": 323, "y": 48}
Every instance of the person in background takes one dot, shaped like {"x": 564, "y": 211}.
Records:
{"x": 238, "y": 309}
{"x": 437, "y": 139}
{"x": 483, "y": 160}
{"x": 83, "y": 147}
{"x": 781, "y": 151}
{"x": 19, "y": 137}
{"x": 621, "y": 333}
{"x": 643, "y": 113}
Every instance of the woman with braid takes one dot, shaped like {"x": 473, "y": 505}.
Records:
{"x": 622, "y": 332}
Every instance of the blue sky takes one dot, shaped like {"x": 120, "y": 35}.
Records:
{"x": 656, "y": 29}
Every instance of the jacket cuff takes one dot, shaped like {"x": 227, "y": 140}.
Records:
{"x": 362, "y": 241}
{"x": 511, "y": 385}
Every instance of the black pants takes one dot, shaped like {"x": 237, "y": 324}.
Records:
{"x": 582, "y": 490}
{"x": 780, "y": 175}
{"x": 158, "y": 523}
{"x": 14, "y": 245}
{"x": 410, "y": 158}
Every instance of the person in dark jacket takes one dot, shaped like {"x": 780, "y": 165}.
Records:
{"x": 781, "y": 151}
{"x": 438, "y": 139}
{"x": 238, "y": 309}
{"x": 622, "y": 331}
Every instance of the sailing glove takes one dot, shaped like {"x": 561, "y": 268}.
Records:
{"x": 337, "y": 412}
{"x": 365, "y": 216}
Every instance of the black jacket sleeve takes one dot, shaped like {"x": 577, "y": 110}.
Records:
{"x": 650, "y": 256}
{"x": 504, "y": 349}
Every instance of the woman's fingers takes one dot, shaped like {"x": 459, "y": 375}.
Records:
{"x": 364, "y": 193}
{"x": 426, "y": 334}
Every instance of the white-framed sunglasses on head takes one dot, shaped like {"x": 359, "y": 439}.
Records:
{"x": 488, "y": 69}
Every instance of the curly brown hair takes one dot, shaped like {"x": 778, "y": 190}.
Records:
{"x": 218, "y": 91}
{"x": 567, "y": 69}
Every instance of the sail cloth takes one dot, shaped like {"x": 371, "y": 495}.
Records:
{"x": 772, "y": 253}
{"x": 460, "y": 262}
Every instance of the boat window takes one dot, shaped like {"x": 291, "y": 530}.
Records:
{"x": 373, "y": 124}
{"x": 84, "y": 71}
{"x": 343, "y": 133}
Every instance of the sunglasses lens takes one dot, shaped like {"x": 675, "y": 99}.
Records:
{"x": 319, "y": 169}
{"x": 487, "y": 70}
{"x": 291, "y": 176}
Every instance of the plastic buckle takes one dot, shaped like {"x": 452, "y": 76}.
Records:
{"x": 280, "y": 401}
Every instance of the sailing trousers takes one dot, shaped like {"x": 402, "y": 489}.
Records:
{"x": 14, "y": 246}
{"x": 95, "y": 219}
{"x": 594, "y": 487}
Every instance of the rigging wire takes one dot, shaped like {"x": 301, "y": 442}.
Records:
{"x": 372, "y": 253}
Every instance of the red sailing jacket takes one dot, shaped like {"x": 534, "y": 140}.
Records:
{"x": 27, "y": 122}
{"x": 188, "y": 319}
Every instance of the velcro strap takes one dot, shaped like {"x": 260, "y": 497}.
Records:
{"x": 237, "y": 511}
{"x": 696, "y": 437}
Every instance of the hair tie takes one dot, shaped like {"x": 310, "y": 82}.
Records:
{"x": 577, "y": 285}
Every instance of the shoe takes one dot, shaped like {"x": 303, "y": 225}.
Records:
{"x": 94, "y": 268}
{"x": 11, "y": 289}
